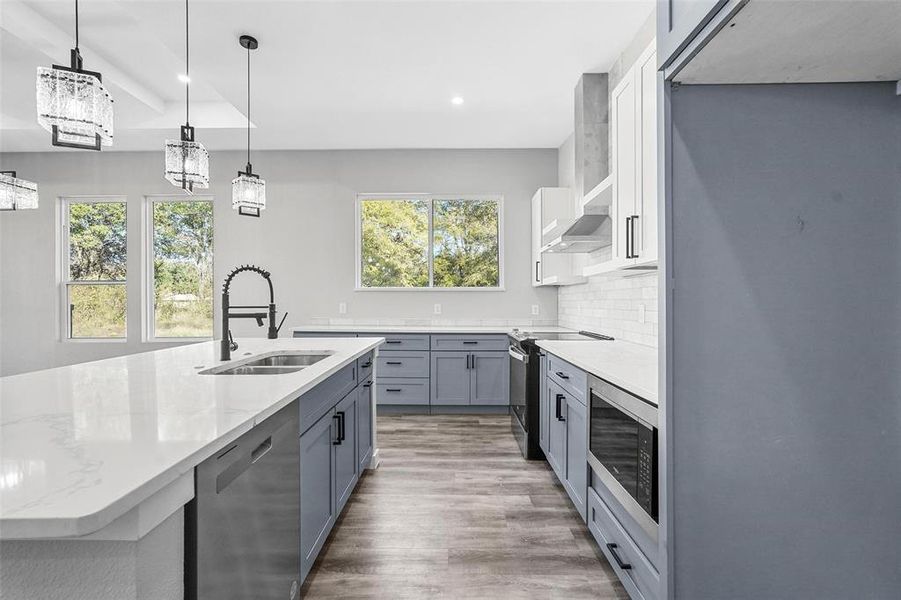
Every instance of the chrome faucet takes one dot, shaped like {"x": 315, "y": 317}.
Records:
{"x": 228, "y": 344}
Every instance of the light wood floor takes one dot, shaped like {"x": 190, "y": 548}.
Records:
{"x": 454, "y": 511}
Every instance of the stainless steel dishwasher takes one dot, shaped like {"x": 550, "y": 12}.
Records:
{"x": 243, "y": 526}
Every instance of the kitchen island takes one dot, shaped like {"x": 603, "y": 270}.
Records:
{"x": 97, "y": 460}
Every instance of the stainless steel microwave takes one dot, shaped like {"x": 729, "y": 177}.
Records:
{"x": 623, "y": 450}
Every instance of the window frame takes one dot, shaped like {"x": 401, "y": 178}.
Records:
{"x": 498, "y": 199}
{"x": 64, "y": 261}
{"x": 148, "y": 314}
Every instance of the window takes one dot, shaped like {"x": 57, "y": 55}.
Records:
{"x": 180, "y": 269}
{"x": 417, "y": 242}
{"x": 94, "y": 269}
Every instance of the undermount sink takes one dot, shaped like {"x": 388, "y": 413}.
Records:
{"x": 276, "y": 363}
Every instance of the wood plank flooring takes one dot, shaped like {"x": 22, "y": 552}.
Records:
{"x": 454, "y": 511}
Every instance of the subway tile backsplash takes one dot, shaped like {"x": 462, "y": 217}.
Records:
{"x": 610, "y": 304}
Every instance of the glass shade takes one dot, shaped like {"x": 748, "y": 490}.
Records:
{"x": 187, "y": 164}
{"x": 77, "y": 105}
{"x": 248, "y": 194}
{"x": 17, "y": 194}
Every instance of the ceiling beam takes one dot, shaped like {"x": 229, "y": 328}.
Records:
{"x": 27, "y": 25}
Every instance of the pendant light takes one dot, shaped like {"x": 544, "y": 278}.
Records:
{"x": 248, "y": 190}
{"x": 15, "y": 193}
{"x": 73, "y": 105}
{"x": 187, "y": 161}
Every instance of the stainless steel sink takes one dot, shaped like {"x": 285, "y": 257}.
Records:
{"x": 276, "y": 363}
{"x": 287, "y": 360}
{"x": 256, "y": 370}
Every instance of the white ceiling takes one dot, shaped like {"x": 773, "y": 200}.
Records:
{"x": 328, "y": 73}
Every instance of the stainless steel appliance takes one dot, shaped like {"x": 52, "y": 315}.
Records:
{"x": 623, "y": 449}
{"x": 243, "y": 527}
{"x": 525, "y": 384}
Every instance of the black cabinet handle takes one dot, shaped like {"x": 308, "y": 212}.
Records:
{"x": 467, "y": 361}
{"x": 562, "y": 375}
{"x": 337, "y": 441}
{"x": 619, "y": 561}
{"x": 473, "y": 360}
{"x": 560, "y": 397}
{"x": 537, "y": 264}
{"x": 393, "y": 341}
{"x": 392, "y": 390}
{"x": 469, "y": 342}
{"x": 394, "y": 362}
{"x": 342, "y": 431}
{"x": 628, "y": 231}
{"x": 634, "y": 220}
{"x": 367, "y": 384}
{"x": 367, "y": 364}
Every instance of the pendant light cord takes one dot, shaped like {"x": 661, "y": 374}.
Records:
{"x": 248, "y": 109}
{"x": 76, "y": 24}
{"x": 187, "y": 68}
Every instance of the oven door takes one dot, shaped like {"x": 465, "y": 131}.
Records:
{"x": 623, "y": 450}
{"x": 519, "y": 370}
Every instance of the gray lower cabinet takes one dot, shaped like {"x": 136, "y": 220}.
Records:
{"x": 450, "y": 383}
{"x": 543, "y": 404}
{"x": 345, "y": 445}
{"x": 556, "y": 432}
{"x": 317, "y": 494}
{"x": 364, "y": 424}
{"x": 576, "y": 480}
{"x": 489, "y": 378}
{"x": 402, "y": 392}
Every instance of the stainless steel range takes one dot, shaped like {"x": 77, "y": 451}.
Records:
{"x": 525, "y": 384}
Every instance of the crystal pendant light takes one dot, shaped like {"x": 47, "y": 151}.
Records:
{"x": 187, "y": 161}
{"x": 15, "y": 193}
{"x": 248, "y": 190}
{"x": 73, "y": 105}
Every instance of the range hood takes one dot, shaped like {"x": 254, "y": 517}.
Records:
{"x": 588, "y": 233}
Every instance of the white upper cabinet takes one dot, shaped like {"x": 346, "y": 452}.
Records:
{"x": 552, "y": 212}
{"x": 633, "y": 117}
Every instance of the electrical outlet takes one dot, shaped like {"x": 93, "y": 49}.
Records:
{"x": 641, "y": 313}
{"x": 535, "y": 310}
{"x": 342, "y": 308}
{"x": 437, "y": 309}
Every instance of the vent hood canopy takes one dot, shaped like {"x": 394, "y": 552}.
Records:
{"x": 588, "y": 233}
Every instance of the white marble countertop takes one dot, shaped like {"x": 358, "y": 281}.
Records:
{"x": 353, "y": 328}
{"x": 632, "y": 367}
{"x": 82, "y": 445}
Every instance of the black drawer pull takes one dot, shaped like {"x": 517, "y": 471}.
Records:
{"x": 560, "y": 397}
{"x": 562, "y": 375}
{"x": 469, "y": 342}
{"x": 367, "y": 364}
{"x": 619, "y": 561}
{"x": 367, "y": 384}
{"x": 392, "y": 390}
{"x": 337, "y": 440}
{"x": 394, "y": 362}
{"x": 394, "y": 341}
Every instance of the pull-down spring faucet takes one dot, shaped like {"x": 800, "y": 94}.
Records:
{"x": 228, "y": 344}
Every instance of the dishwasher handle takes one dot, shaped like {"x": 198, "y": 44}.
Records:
{"x": 261, "y": 450}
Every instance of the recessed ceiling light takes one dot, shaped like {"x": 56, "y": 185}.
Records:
{"x": 457, "y": 100}
{"x": 184, "y": 78}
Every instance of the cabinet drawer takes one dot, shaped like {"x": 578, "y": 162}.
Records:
{"x": 324, "y": 396}
{"x": 641, "y": 579}
{"x": 403, "y": 364}
{"x": 570, "y": 378}
{"x": 402, "y": 391}
{"x": 473, "y": 343}
{"x": 401, "y": 341}
{"x": 364, "y": 367}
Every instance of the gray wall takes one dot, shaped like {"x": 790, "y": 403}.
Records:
{"x": 305, "y": 238}
{"x": 786, "y": 325}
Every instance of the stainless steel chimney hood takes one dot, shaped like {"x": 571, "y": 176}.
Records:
{"x": 588, "y": 233}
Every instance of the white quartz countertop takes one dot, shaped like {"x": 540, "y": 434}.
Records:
{"x": 82, "y": 445}
{"x": 429, "y": 328}
{"x": 632, "y": 367}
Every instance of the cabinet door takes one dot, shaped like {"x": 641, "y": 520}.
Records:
{"x": 625, "y": 173}
{"x": 346, "y": 459}
{"x": 556, "y": 433}
{"x": 645, "y": 227}
{"x": 450, "y": 378}
{"x": 317, "y": 500}
{"x": 543, "y": 405}
{"x": 576, "y": 482}
{"x": 536, "y": 239}
{"x": 364, "y": 425}
{"x": 490, "y": 378}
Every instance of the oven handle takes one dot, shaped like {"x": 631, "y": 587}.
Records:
{"x": 514, "y": 353}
